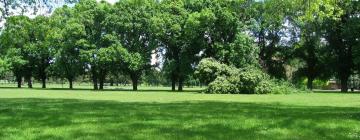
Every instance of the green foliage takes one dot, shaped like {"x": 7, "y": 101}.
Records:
{"x": 253, "y": 42}
{"x": 209, "y": 69}
{"x": 4, "y": 67}
{"x": 221, "y": 85}
{"x": 225, "y": 79}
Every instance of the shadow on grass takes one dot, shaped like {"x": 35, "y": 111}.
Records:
{"x": 115, "y": 89}
{"x": 79, "y": 119}
{"x": 336, "y": 92}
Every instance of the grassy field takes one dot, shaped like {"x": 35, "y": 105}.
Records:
{"x": 160, "y": 114}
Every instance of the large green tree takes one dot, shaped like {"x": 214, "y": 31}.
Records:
{"x": 13, "y": 45}
{"x": 39, "y": 47}
{"x": 130, "y": 22}
{"x": 92, "y": 15}
{"x": 67, "y": 39}
{"x": 343, "y": 37}
{"x": 169, "y": 28}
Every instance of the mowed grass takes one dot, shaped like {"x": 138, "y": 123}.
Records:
{"x": 160, "y": 114}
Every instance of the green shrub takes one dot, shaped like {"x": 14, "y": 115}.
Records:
{"x": 222, "y": 85}
{"x": 224, "y": 79}
{"x": 209, "y": 69}
{"x": 264, "y": 87}
{"x": 250, "y": 78}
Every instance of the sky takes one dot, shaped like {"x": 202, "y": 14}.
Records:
{"x": 42, "y": 9}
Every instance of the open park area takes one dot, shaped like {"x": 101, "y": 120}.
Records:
{"x": 179, "y": 69}
{"x": 160, "y": 114}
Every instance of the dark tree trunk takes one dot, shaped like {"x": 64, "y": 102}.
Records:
{"x": 18, "y": 80}
{"x": 29, "y": 82}
{"x": 43, "y": 80}
{"x": 135, "y": 84}
{"x": 101, "y": 84}
{"x": 112, "y": 82}
{"x": 310, "y": 83}
{"x": 70, "y": 83}
{"x": 134, "y": 80}
{"x": 95, "y": 84}
{"x": 344, "y": 84}
{"x": 181, "y": 84}
{"x": 102, "y": 80}
{"x": 173, "y": 83}
{"x": 94, "y": 78}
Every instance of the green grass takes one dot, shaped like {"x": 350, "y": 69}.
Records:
{"x": 159, "y": 114}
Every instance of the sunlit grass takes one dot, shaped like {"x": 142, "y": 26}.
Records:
{"x": 161, "y": 114}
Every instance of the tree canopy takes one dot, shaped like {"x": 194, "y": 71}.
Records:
{"x": 283, "y": 39}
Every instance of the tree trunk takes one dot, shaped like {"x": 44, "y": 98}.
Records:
{"x": 95, "y": 83}
{"x": 43, "y": 80}
{"x": 135, "y": 84}
{"x": 344, "y": 84}
{"x": 111, "y": 82}
{"x": 18, "y": 80}
{"x": 29, "y": 82}
{"x": 173, "y": 84}
{"x": 181, "y": 84}
{"x": 102, "y": 80}
{"x": 134, "y": 80}
{"x": 310, "y": 83}
{"x": 94, "y": 78}
{"x": 101, "y": 84}
{"x": 70, "y": 83}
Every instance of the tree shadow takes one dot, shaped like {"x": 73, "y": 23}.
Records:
{"x": 81, "y": 119}
{"x": 336, "y": 92}
{"x": 115, "y": 89}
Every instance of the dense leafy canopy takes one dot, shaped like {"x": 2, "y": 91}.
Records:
{"x": 245, "y": 46}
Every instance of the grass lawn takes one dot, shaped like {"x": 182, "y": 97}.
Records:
{"x": 159, "y": 114}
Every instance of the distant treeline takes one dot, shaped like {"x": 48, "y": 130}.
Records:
{"x": 145, "y": 40}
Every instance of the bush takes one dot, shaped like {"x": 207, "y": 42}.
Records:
{"x": 250, "y": 78}
{"x": 264, "y": 87}
{"x": 284, "y": 87}
{"x": 222, "y": 85}
{"x": 224, "y": 79}
{"x": 209, "y": 69}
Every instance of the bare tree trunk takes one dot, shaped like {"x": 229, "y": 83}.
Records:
{"x": 70, "y": 83}
{"x": 29, "y": 82}
{"x": 101, "y": 83}
{"x": 344, "y": 84}
{"x": 173, "y": 82}
{"x": 43, "y": 80}
{"x": 18, "y": 80}
{"x": 310, "y": 83}
{"x": 181, "y": 84}
{"x": 94, "y": 78}
{"x": 134, "y": 80}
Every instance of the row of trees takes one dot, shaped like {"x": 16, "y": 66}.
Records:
{"x": 312, "y": 39}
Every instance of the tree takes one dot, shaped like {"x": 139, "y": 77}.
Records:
{"x": 168, "y": 26}
{"x": 343, "y": 39}
{"x": 92, "y": 16}
{"x": 39, "y": 47}
{"x": 269, "y": 29}
{"x": 130, "y": 20}
{"x": 314, "y": 53}
{"x": 311, "y": 49}
{"x": 67, "y": 40}
{"x": 14, "y": 39}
